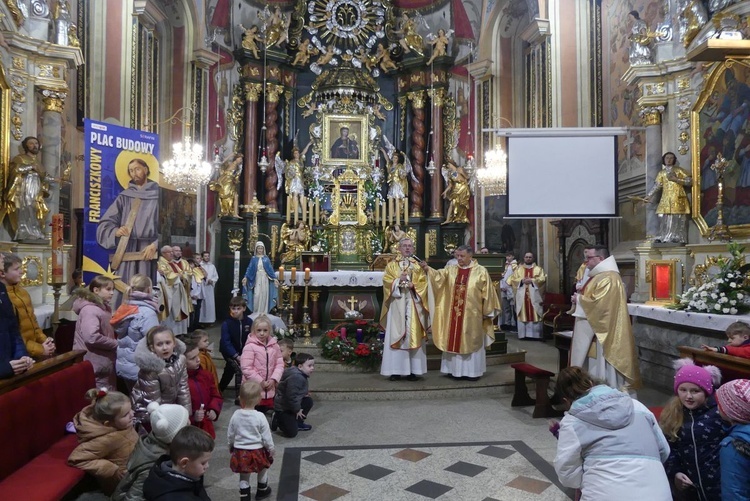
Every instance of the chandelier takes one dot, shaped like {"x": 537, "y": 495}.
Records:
{"x": 493, "y": 176}
{"x": 187, "y": 170}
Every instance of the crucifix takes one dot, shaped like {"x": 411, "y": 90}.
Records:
{"x": 352, "y": 301}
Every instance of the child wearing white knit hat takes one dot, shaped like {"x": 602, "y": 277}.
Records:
{"x": 734, "y": 405}
{"x": 166, "y": 421}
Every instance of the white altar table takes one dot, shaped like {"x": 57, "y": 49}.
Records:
{"x": 339, "y": 278}
{"x": 696, "y": 320}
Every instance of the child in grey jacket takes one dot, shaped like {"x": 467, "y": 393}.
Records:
{"x": 292, "y": 403}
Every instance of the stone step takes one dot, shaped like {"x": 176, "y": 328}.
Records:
{"x": 433, "y": 362}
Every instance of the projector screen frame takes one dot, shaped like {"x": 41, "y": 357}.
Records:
{"x": 614, "y": 132}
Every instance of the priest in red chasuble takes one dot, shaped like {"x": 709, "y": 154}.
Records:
{"x": 404, "y": 316}
{"x": 603, "y": 340}
{"x": 528, "y": 285}
{"x": 463, "y": 303}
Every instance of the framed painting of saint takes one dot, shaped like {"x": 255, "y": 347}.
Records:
{"x": 721, "y": 128}
{"x": 345, "y": 140}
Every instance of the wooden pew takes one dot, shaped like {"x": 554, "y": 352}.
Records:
{"x": 42, "y": 369}
{"x": 731, "y": 367}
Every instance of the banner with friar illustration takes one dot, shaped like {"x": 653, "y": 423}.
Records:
{"x": 120, "y": 231}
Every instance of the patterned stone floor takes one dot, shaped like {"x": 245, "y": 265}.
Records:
{"x": 478, "y": 471}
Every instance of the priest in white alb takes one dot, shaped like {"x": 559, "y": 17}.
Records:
{"x": 404, "y": 316}
{"x": 208, "y": 306}
{"x": 528, "y": 285}
{"x": 176, "y": 297}
{"x": 463, "y": 304}
{"x": 603, "y": 340}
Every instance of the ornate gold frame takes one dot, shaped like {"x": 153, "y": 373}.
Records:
{"x": 363, "y": 140}
{"x": 349, "y": 177}
{"x": 5, "y": 128}
{"x": 650, "y": 271}
{"x": 737, "y": 230}
{"x": 25, "y": 280}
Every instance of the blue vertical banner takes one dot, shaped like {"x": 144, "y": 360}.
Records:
{"x": 121, "y": 215}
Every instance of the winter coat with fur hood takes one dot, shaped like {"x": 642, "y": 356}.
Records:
{"x": 95, "y": 335}
{"x": 131, "y": 322}
{"x": 159, "y": 380}
{"x": 102, "y": 451}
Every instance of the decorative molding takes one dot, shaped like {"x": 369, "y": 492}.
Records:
{"x": 53, "y": 100}
{"x": 45, "y": 51}
{"x": 252, "y": 91}
{"x": 17, "y": 99}
{"x": 651, "y": 115}
{"x": 537, "y": 30}
{"x": 654, "y": 89}
{"x": 684, "y": 104}
{"x": 437, "y": 96}
{"x": 417, "y": 98}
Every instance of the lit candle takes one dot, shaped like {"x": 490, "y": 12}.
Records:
{"x": 288, "y": 210}
{"x": 281, "y": 273}
{"x": 307, "y": 273}
{"x": 294, "y": 275}
{"x": 384, "y": 218}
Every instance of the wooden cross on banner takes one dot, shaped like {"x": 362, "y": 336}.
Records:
{"x": 352, "y": 301}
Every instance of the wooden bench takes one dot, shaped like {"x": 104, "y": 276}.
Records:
{"x": 731, "y": 367}
{"x": 521, "y": 398}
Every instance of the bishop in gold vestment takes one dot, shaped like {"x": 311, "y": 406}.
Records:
{"x": 463, "y": 304}
{"x": 603, "y": 340}
{"x": 404, "y": 315}
{"x": 528, "y": 283}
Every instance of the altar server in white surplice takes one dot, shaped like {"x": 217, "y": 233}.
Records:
{"x": 208, "y": 307}
{"x": 603, "y": 340}
{"x": 404, "y": 316}
{"x": 528, "y": 286}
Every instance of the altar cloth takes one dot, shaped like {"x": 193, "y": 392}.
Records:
{"x": 706, "y": 321}
{"x": 339, "y": 278}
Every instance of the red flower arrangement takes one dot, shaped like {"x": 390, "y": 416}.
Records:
{"x": 362, "y": 350}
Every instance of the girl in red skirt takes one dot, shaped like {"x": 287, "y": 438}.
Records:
{"x": 250, "y": 442}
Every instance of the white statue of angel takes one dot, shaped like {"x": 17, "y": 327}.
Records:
{"x": 439, "y": 44}
{"x": 399, "y": 169}
{"x": 292, "y": 171}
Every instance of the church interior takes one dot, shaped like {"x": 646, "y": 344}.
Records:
{"x": 329, "y": 131}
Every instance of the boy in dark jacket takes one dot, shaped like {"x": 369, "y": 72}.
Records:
{"x": 179, "y": 476}
{"x": 292, "y": 403}
{"x": 234, "y": 333}
{"x": 13, "y": 356}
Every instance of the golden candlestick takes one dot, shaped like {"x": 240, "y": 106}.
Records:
{"x": 306, "y": 312}
{"x": 720, "y": 230}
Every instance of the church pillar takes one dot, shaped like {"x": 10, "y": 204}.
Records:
{"x": 252, "y": 95}
{"x": 53, "y": 102}
{"x": 272, "y": 144}
{"x": 417, "y": 150}
{"x": 436, "y": 203}
{"x": 651, "y": 116}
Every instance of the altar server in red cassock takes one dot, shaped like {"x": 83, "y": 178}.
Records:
{"x": 463, "y": 303}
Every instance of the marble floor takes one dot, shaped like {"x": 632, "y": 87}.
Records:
{"x": 467, "y": 449}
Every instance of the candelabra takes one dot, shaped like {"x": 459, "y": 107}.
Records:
{"x": 285, "y": 299}
{"x": 306, "y": 320}
{"x": 56, "y": 291}
{"x": 290, "y": 318}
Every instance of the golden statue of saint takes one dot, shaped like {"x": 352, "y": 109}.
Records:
{"x": 226, "y": 186}
{"x": 26, "y": 189}
{"x": 457, "y": 193}
{"x": 295, "y": 239}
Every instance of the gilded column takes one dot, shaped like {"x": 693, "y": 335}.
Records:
{"x": 438, "y": 99}
{"x": 651, "y": 117}
{"x": 252, "y": 95}
{"x": 416, "y": 197}
{"x": 272, "y": 144}
{"x": 53, "y": 101}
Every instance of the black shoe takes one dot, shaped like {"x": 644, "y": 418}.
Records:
{"x": 274, "y": 422}
{"x": 394, "y": 378}
{"x": 263, "y": 492}
{"x": 412, "y": 377}
{"x": 471, "y": 378}
{"x": 304, "y": 427}
{"x": 245, "y": 494}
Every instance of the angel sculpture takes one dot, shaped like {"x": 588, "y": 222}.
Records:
{"x": 327, "y": 57}
{"x": 439, "y": 44}
{"x": 386, "y": 63}
{"x": 457, "y": 192}
{"x": 292, "y": 169}
{"x": 410, "y": 39}
{"x": 277, "y": 27}
{"x": 295, "y": 239}
{"x": 226, "y": 186}
{"x": 399, "y": 170}
{"x": 349, "y": 312}
{"x": 370, "y": 62}
{"x": 304, "y": 52}
{"x": 250, "y": 39}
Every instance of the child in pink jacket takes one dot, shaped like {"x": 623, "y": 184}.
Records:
{"x": 94, "y": 334}
{"x": 262, "y": 362}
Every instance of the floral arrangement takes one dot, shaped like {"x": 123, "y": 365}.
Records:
{"x": 727, "y": 293}
{"x": 358, "y": 343}
{"x": 283, "y": 333}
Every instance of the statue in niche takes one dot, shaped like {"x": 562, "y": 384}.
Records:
{"x": 226, "y": 186}
{"x": 673, "y": 206}
{"x": 640, "y": 41}
{"x": 439, "y": 44}
{"x": 457, "y": 192}
{"x": 386, "y": 63}
{"x": 409, "y": 37}
{"x": 26, "y": 190}
{"x": 291, "y": 174}
{"x": 62, "y": 20}
{"x": 251, "y": 39}
{"x": 294, "y": 239}
{"x": 691, "y": 18}
{"x": 304, "y": 52}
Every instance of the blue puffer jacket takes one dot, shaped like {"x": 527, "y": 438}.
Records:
{"x": 130, "y": 330}
{"x": 696, "y": 451}
{"x": 735, "y": 462}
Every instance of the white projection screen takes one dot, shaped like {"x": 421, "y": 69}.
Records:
{"x": 562, "y": 173}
